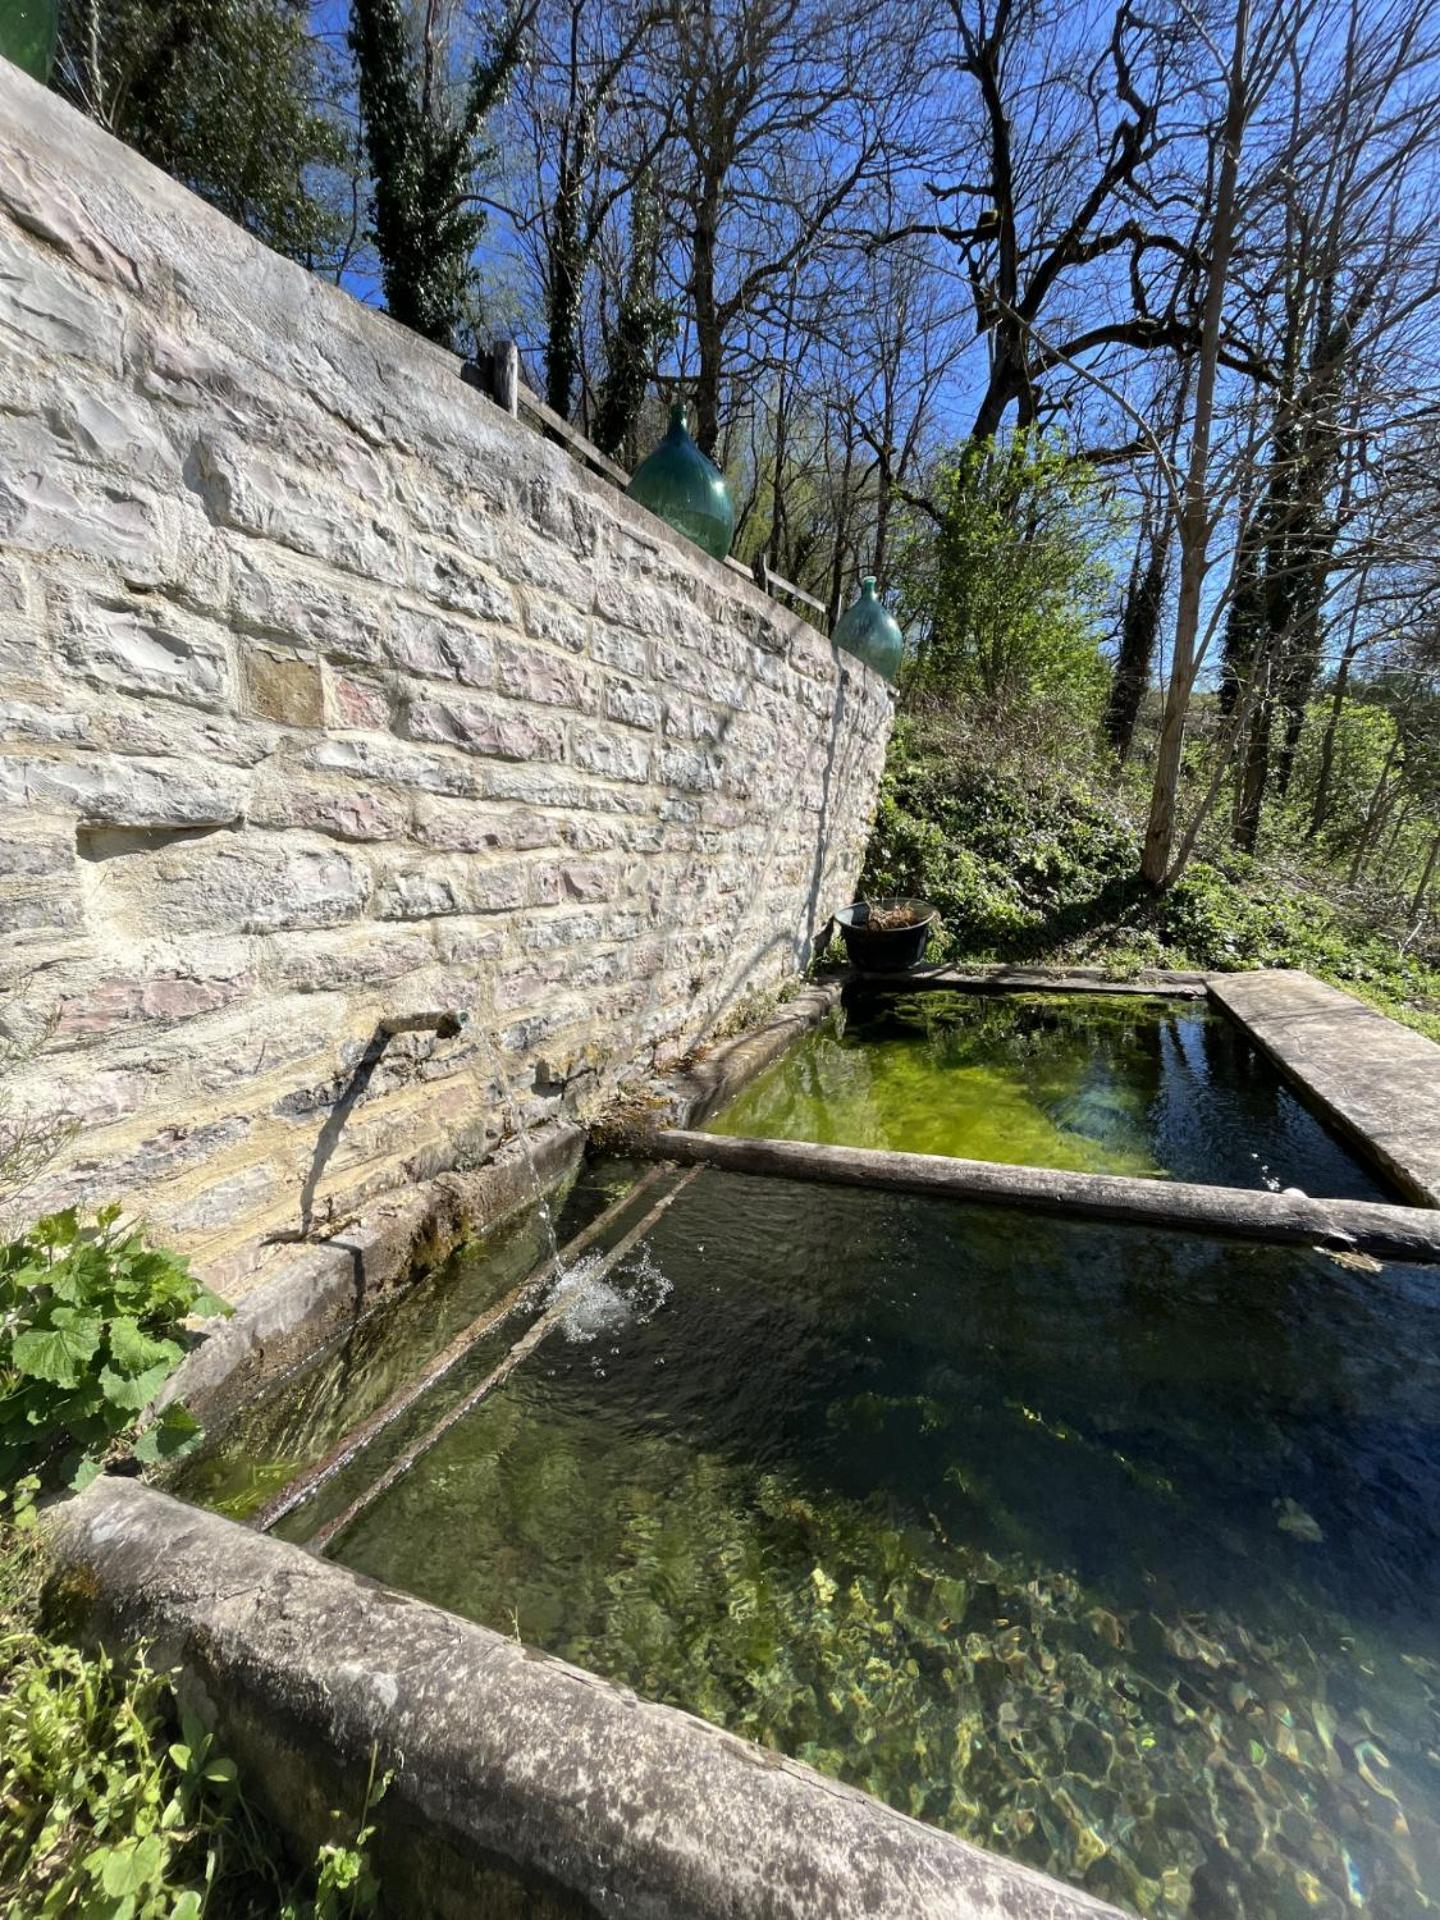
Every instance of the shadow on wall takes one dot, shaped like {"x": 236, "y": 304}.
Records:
{"x": 348, "y": 1099}
{"x": 799, "y": 943}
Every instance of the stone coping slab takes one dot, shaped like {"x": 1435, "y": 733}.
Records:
{"x": 521, "y": 1784}
{"x": 1378, "y": 1081}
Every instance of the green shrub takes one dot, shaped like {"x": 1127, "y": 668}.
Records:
{"x": 91, "y": 1327}
{"x": 1009, "y": 592}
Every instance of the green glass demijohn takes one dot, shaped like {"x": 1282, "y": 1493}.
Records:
{"x": 688, "y": 491}
{"x": 28, "y": 31}
{"x": 870, "y": 633}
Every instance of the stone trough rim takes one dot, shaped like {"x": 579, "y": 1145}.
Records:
{"x": 510, "y": 1755}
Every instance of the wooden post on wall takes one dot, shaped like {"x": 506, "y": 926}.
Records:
{"x": 505, "y": 376}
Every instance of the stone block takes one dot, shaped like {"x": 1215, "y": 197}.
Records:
{"x": 546, "y": 786}
{"x": 333, "y": 960}
{"x": 50, "y": 308}
{"x": 307, "y": 611}
{"x": 691, "y": 771}
{"x": 48, "y": 505}
{"x": 223, "y": 885}
{"x": 282, "y": 687}
{"x": 390, "y": 762}
{"x": 527, "y": 672}
{"x": 254, "y": 494}
{"x": 467, "y": 826}
{"x": 553, "y": 621}
{"x": 115, "y": 1002}
{"x": 360, "y": 704}
{"x": 618, "y": 756}
{"x": 427, "y": 643}
{"x": 135, "y": 724}
{"x": 35, "y": 846}
{"x": 451, "y": 580}
{"x": 529, "y": 562}
{"x": 589, "y": 880}
{"x": 112, "y": 430}
{"x": 145, "y": 647}
{"x": 631, "y": 706}
{"x": 345, "y": 809}
{"x": 34, "y": 910}
{"x": 628, "y": 653}
{"x": 468, "y": 942}
{"x": 105, "y": 790}
{"x": 490, "y": 728}
{"x": 422, "y": 892}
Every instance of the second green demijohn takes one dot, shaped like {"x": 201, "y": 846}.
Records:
{"x": 870, "y": 633}
{"x": 685, "y": 489}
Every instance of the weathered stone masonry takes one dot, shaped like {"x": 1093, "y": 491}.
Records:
{"x": 328, "y": 692}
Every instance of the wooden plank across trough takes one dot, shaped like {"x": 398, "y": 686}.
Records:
{"x": 1411, "y": 1233}
{"x": 940, "y": 976}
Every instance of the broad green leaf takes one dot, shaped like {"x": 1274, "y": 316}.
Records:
{"x": 207, "y": 1306}
{"x": 130, "y": 1869}
{"x": 57, "y": 1353}
{"x": 134, "y": 1351}
{"x": 170, "y": 1435}
{"x": 134, "y": 1392}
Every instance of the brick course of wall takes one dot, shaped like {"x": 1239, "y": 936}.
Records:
{"x": 328, "y": 692}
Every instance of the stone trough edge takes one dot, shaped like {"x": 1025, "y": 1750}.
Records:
{"x": 520, "y": 1783}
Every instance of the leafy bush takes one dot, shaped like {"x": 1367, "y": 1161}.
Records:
{"x": 91, "y": 1320}
{"x": 1009, "y": 591}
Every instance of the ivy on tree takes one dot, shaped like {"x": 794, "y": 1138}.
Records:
{"x": 425, "y": 146}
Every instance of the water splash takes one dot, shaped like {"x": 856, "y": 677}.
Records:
{"x": 630, "y": 1295}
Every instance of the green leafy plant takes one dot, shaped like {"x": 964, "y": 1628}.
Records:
{"x": 1009, "y": 591}
{"x": 91, "y": 1327}
{"x": 115, "y": 1803}
{"x": 345, "y": 1885}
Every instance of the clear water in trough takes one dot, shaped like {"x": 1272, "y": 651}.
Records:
{"x": 1092, "y": 1083}
{"x": 1113, "y": 1550}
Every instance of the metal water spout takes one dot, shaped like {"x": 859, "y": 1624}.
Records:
{"x": 445, "y": 1024}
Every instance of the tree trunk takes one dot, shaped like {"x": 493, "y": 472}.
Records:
{"x": 1431, "y": 863}
{"x": 1320, "y": 805}
{"x": 1374, "y": 814}
{"x": 709, "y": 345}
{"x": 1255, "y": 767}
{"x": 1139, "y": 630}
{"x": 1194, "y": 518}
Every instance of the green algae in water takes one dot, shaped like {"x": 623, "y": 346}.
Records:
{"x": 1086, "y": 1083}
{"x": 1112, "y": 1550}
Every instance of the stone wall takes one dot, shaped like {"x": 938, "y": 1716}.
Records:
{"x": 328, "y": 692}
